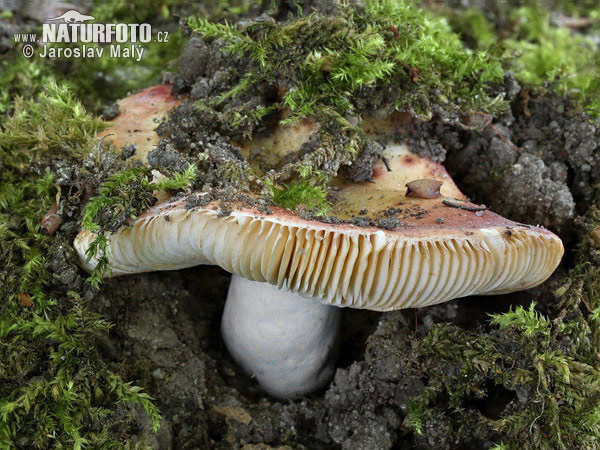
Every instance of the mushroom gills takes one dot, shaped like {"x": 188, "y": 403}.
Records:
{"x": 286, "y": 341}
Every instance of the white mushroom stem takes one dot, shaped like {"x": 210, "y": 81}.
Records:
{"x": 286, "y": 341}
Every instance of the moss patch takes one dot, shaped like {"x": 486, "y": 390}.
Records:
{"x": 316, "y": 58}
{"x": 335, "y": 69}
{"x": 542, "y": 54}
{"x": 120, "y": 199}
{"x": 546, "y": 363}
{"x": 57, "y": 388}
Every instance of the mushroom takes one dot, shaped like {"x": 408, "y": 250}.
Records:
{"x": 292, "y": 274}
{"x": 284, "y": 340}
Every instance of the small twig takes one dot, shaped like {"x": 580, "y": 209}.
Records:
{"x": 466, "y": 208}
{"x": 590, "y": 310}
{"x": 541, "y": 414}
{"x": 386, "y": 163}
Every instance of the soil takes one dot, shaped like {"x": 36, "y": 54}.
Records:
{"x": 545, "y": 157}
{"x": 172, "y": 343}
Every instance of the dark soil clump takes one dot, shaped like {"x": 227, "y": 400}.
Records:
{"x": 543, "y": 160}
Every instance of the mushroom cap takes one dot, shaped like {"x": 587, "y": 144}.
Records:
{"x": 139, "y": 115}
{"x": 431, "y": 251}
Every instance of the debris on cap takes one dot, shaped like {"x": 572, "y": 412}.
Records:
{"x": 139, "y": 115}
{"x": 425, "y": 250}
{"x": 461, "y": 205}
{"x": 424, "y": 188}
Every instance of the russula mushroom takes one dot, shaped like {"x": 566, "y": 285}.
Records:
{"x": 284, "y": 340}
{"x": 291, "y": 273}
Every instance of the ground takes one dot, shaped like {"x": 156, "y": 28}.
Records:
{"x": 448, "y": 376}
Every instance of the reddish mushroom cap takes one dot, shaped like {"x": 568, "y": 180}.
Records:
{"x": 432, "y": 249}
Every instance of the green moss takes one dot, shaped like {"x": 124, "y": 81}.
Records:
{"x": 581, "y": 8}
{"x": 322, "y": 57}
{"x": 232, "y": 8}
{"x": 549, "y": 55}
{"x": 55, "y": 125}
{"x": 474, "y": 28}
{"x": 303, "y": 193}
{"x": 386, "y": 56}
{"x": 120, "y": 199}
{"x": 550, "y": 367}
{"x": 56, "y": 388}
{"x": 20, "y": 77}
{"x": 541, "y": 54}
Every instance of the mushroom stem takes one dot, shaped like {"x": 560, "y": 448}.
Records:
{"x": 286, "y": 341}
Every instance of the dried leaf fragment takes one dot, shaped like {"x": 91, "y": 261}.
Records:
{"x": 24, "y": 300}
{"x": 51, "y": 221}
{"x": 424, "y": 188}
